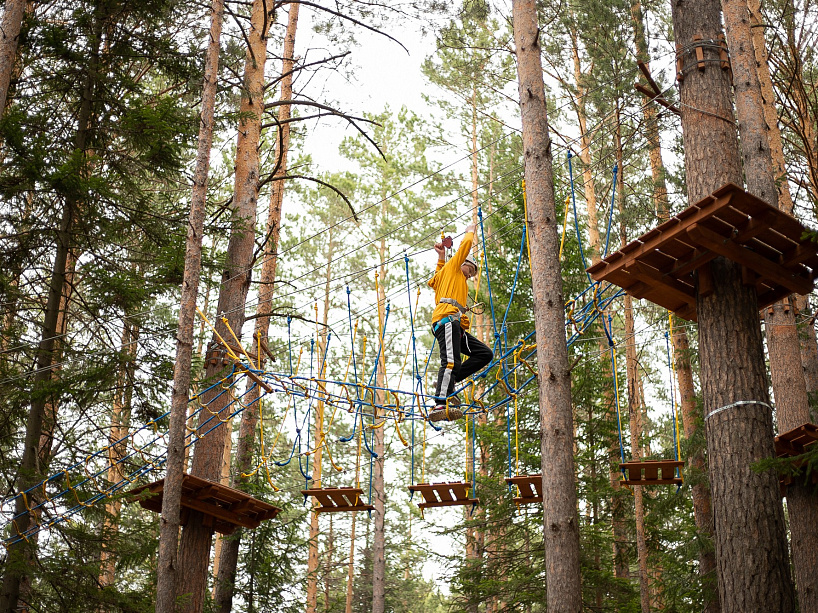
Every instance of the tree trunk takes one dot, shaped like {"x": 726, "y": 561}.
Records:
{"x": 618, "y": 520}
{"x": 9, "y": 34}
{"x": 29, "y": 473}
{"x": 168, "y": 564}
{"x": 755, "y": 112}
{"x": 225, "y": 581}
{"x": 749, "y": 524}
{"x": 224, "y": 479}
{"x": 560, "y": 529}
{"x": 634, "y": 396}
{"x": 120, "y": 425}
{"x": 701, "y": 491}
{"x": 697, "y": 469}
{"x": 208, "y": 452}
{"x": 378, "y": 485}
{"x": 312, "y": 557}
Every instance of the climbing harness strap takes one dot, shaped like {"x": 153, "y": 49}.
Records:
{"x": 444, "y": 321}
{"x": 736, "y": 404}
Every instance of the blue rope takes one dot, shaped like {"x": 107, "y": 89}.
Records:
{"x": 672, "y": 399}
{"x": 488, "y": 278}
{"x": 616, "y": 390}
{"x": 610, "y": 214}
{"x": 576, "y": 219}
{"x": 352, "y": 342}
{"x": 414, "y": 374}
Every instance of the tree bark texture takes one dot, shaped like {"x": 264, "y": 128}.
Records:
{"x": 650, "y": 116}
{"x": 312, "y": 557}
{"x": 168, "y": 563}
{"x": 634, "y": 399}
{"x": 209, "y": 450}
{"x": 120, "y": 425}
{"x": 561, "y": 534}
{"x": 226, "y": 578}
{"x": 277, "y": 189}
{"x": 9, "y": 35}
{"x": 789, "y": 386}
{"x": 696, "y": 472}
{"x": 378, "y": 484}
{"x": 749, "y": 519}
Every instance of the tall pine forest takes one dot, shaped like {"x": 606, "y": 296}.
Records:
{"x": 218, "y": 221}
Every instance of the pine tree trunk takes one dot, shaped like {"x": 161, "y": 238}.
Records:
{"x": 749, "y": 524}
{"x": 120, "y": 425}
{"x": 194, "y": 551}
{"x": 312, "y": 558}
{"x": 697, "y": 468}
{"x": 560, "y": 525}
{"x": 167, "y": 579}
{"x": 277, "y": 188}
{"x": 29, "y": 472}
{"x": 618, "y": 519}
{"x": 475, "y": 537}
{"x": 634, "y": 396}
{"x": 701, "y": 491}
{"x": 225, "y": 581}
{"x": 798, "y": 87}
{"x": 224, "y": 479}
{"x": 9, "y": 34}
{"x": 351, "y": 563}
{"x": 378, "y": 485}
{"x": 807, "y": 336}
{"x": 754, "y": 111}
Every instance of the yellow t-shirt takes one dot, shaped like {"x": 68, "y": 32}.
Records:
{"x": 450, "y": 282}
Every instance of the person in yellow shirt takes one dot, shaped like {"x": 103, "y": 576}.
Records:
{"x": 450, "y": 322}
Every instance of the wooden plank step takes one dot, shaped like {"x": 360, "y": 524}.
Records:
{"x": 337, "y": 499}
{"x": 448, "y": 494}
{"x": 648, "y": 472}
{"x": 530, "y": 487}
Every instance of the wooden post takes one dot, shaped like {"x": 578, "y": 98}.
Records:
{"x": 561, "y": 530}
{"x": 749, "y": 519}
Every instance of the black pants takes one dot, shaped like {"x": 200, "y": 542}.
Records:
{"x": 453, "y": 341}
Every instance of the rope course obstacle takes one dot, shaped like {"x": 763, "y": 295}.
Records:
{"x": 142, "y": 452}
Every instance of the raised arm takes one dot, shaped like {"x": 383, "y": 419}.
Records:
{"x": 465, "y": 247}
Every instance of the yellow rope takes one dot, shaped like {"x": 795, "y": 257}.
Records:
{"x": 564, "y": 225}
{"x": 616, "y": 388}
{"x": 525, "y": 218}
{"x": 224, "y": 342}
{"x": 673, "y": 394}
{"x": 516, "y": 426}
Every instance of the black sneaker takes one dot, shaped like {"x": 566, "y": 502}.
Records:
{"x": 441, "y": 413}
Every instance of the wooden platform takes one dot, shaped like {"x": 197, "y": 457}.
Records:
{"x": 335, "y": 499}
{"x": 444, "y": 494}
{"x": 530, "y": 487}
{"x": 224, "y": 508}
{"x": 659, "y": 266}
{"x": 796, "y": 441}
{"x": 648, "y": 472}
